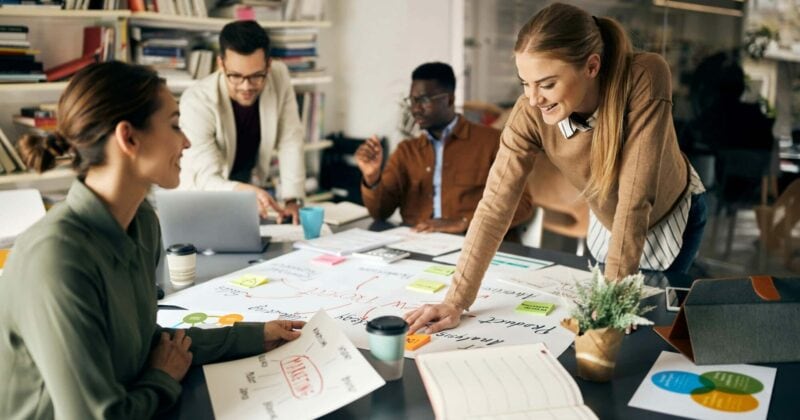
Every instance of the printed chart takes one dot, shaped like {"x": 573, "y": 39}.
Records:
{"x": 353, "y": 292}
{"x": 306, "y": 378}
{"x": 676, "y": 386}
{"x": 179, "y": 318}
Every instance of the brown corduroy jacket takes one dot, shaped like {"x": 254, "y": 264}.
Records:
{"x": 407, "y": 179}
{"x": 653, "y": 175}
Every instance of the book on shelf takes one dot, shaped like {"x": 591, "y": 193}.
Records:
{"x": 523, "y": 381}
{"x": 249, "y": 12}
{"x": 292, "y": 52}
{"x": 13, "y": 32}
{"x": 65, "y": 70}
{"x": 36, "y": 122}
{"x": 99, "y": 41}
{"x": 38, "y": 111}
{"x": 8, "y": 148}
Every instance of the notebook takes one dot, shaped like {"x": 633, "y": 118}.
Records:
{"x": 212, "y": 221}
{"x": 347, "y": 242}
{"x": 342, "y": 212}
{"x": 523, "y": 381}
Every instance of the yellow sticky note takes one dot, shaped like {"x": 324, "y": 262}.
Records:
{"x": 3, "y": 256}
{"x": 535, "y": 308}
{"x": 441, "y": 270}
{"x": 250, "y": 281}
{"x": 425, "y": 286}
{"x": 415, "y": 341}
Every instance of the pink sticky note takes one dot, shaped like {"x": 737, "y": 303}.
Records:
{"x": 326, "y": 259}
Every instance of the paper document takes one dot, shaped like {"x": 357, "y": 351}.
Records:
{"x": 675, "y": 385}
{"x": 20, "y": 210}
{"x": 348, "y": 242}
{"x": 303, "y": 379}
{"x": 517, "y": 382}
{"x": 556, "y": 280}
{"x": 288, "y": 232}
{"x": 355, "y": 291}
{"x": 342, "y": 212}
{"x": 181, "y": 318}
{"x": 501, "y": 260}
{"x": 431, "y": 243}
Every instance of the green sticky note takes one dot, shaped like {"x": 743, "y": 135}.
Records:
{"x": 425, "y": 286}
{"x": 535, "y": 308}
{"x": 441, "y": 270}
{"x": 250, "y": 281}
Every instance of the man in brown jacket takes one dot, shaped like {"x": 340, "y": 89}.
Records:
{"x": 437, "y": 178}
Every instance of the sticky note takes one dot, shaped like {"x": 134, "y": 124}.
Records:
{"x": 326, "y": 259}
{"x": 425, "y": 286}
{"x": 441, "y": 270}
{"x": 415, "y": 341}
{"x": 250, "y": 281}
{"x": 535, "y": 308}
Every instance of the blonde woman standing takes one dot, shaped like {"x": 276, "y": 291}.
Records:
{"x": 603, "y": 115}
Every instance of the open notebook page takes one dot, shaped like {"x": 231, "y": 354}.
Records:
{"x": 514, "y": 381}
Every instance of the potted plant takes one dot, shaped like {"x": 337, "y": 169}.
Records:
{"x": 603, "y": 311}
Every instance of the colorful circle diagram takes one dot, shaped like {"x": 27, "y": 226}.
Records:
{"x": 717, "y": 390}
{"x": 196, "y": 319}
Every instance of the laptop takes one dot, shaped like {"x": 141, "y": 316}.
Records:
{"x": 212, "y": 221}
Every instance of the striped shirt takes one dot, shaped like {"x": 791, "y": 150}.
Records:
{"x": 664, "y": 240}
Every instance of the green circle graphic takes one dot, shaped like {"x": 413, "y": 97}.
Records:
{"x": 195, "y": 318}
{"x": 733, "y": 383}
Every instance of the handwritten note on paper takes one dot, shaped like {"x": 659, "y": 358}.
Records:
{"x": 353, "y": 293}
{"x": 306, "y": 378}
{"x": 432, "y": 243}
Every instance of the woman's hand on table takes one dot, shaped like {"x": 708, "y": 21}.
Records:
{"x": 434, "y": 317}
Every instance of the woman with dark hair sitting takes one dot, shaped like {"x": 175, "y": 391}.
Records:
{"x": 78, "y": 332}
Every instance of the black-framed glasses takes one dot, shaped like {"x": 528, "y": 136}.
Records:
{"x": 423, "y": 100}
{"x": 254, "y": 79}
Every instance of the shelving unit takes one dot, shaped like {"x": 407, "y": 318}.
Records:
{"x": 48, "y": 30}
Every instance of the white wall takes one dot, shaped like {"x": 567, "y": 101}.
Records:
{"x": 371, "y": 51}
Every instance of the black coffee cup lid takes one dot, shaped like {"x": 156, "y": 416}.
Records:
{"x": 182, "y": 249}
{"x": 387, "y": 325}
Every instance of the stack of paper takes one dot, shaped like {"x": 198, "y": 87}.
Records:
{"x": 348, "y": 242}
{"x": 343, "y": 212}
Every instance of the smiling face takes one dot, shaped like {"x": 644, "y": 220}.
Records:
{"x": 162, "y": 144}
{"x": 245, "y": 75}
{"x": 557, "y": 88}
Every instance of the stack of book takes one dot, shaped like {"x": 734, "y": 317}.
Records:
{"x": 42, "y": 117}
{"x": 161, "y": 49}
{"x": 190, "y": 8}
{"x": 49, "y": 4}
{"x": 297, "y": 48}
{"x": 17, "y": 59}
{"x": 263, "y": 10}
{"x": 91, "y": 4}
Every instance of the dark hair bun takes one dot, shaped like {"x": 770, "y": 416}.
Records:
{"x": 40, "y": 152}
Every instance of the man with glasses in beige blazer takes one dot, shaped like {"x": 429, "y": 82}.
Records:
{"x": 238, "y": 118}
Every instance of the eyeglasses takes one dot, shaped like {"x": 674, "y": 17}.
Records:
{"x": 423, "y": 100}
{"x": 254, "y": 79}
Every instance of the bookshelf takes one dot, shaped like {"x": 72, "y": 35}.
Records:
{"x": 49, "y": 27}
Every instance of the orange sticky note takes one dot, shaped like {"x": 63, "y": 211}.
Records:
{"x": 415, "y": 341}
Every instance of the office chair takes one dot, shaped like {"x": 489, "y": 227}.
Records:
{"x": 339, "y": 171}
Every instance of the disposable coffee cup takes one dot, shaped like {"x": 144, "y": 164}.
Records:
{"x": 387, "y": 338}
{"x": 182, "y": 263}
{"x": 311, "y": 219}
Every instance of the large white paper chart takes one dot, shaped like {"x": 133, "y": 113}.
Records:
{"x": 303, "y": 379}
{"x": 180, "y": 318}
{"x": 556, "y": 280}
{"x": 677, "y": 386}
{"x": 355, "y": 291}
